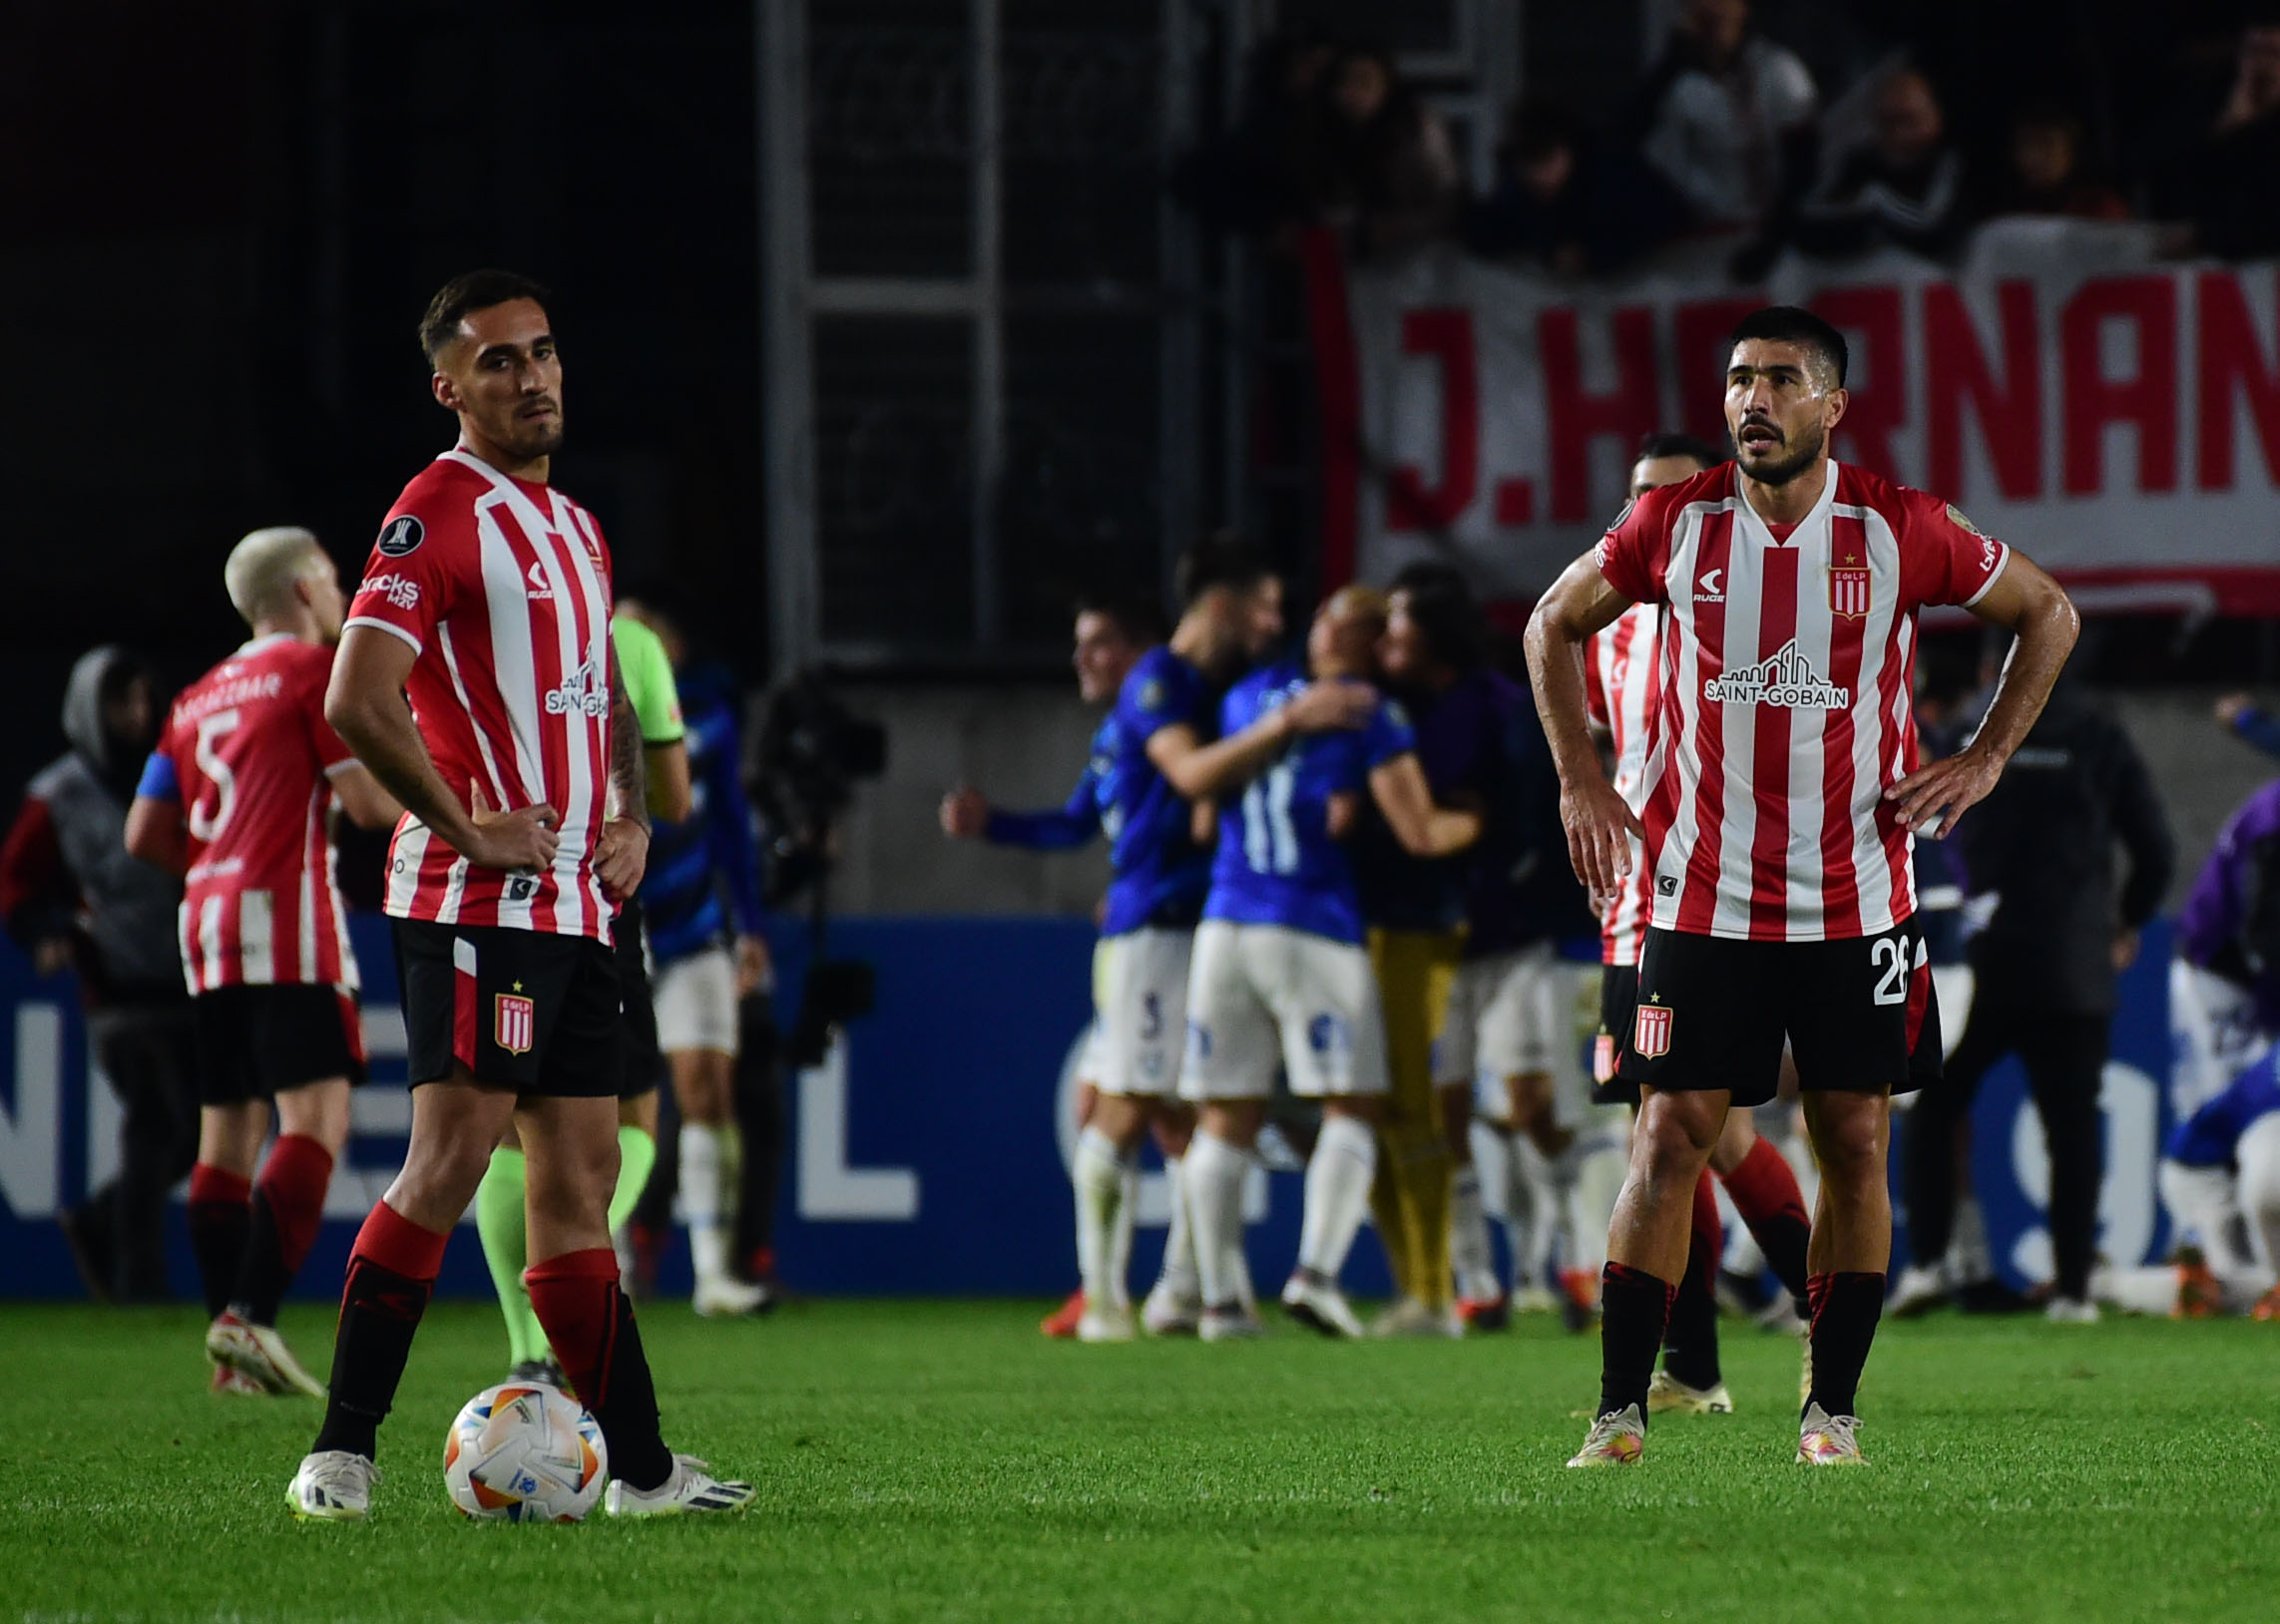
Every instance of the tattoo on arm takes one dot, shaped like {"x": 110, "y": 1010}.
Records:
{"x": 628, "y": 777}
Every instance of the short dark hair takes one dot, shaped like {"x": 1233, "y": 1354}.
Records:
{"x": 463, "y": 295}
{"x": 1666, "y": 444}
{"x": 1441, "y": 601}
{"x": 1793, "y": 324}
{"x": 1140, "y": 618}
{"x": 1222, "y": 558}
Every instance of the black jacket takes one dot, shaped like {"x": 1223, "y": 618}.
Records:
{"x": 2040, "y": 852}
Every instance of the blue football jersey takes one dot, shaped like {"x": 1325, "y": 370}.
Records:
{"x": 1278, "y": 864}
{"x": 1161, "y": 873}
{"x": 2207, "y": 1137}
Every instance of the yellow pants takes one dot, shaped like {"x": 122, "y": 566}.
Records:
{"x": 1410, "y": 1199}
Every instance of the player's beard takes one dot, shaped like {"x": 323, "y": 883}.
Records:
{"x": 1803, "y": 453}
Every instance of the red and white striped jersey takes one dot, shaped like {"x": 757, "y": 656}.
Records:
{"x": 251, "y": 754}
{"x": 1621, "y": 679}
{"x": 1783, "y": 706}
{"x": 502, "y": 588}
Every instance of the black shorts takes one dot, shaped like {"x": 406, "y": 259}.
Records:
{"x": 1619, "y": 995}
{"x": 640, "y": 1057}
{"x": 1713, "y": 1013}
{"x": 521, "y": 1009}
{"x": 256, "y": 1042}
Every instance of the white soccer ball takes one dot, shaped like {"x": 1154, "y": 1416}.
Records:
{"x": 525, "y": 1452}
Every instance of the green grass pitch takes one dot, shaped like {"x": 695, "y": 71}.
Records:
{"x": 942, "y": 1461}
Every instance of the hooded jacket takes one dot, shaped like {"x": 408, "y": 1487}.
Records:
{"x": 65, "y": 870}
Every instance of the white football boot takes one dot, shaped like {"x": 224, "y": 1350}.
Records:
{"x": 1231, "y": 1324}
{"x": 1105, "y": 1321}
{"x": 1919, "y": 1291}
{"x": 2072, "y": 1310}
{"x": 1312, "y": 1301}
{"x": 1668, "y": 1396}
{"x": 728, "y": 1298}
{"x": 1616, "y": 1438}
{"x": 1167, "y": 1313}
{"x": 1409, "y": 1318}
{"x": 333, "y": 1486}
{"x": 1824, "y": 1439}
{"x": 259, "y": 1354}
{"x": 692, "y": 1487}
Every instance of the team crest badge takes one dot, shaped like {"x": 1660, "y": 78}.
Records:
{"x": 1603, "y": 1059}
{"x": 1848, "y": 590}
{"x": 1650, "y": 1037}
{"x": 516, "y": 1024}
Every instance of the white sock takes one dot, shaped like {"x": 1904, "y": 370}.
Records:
{"x": 1590, "y": 1175}
{"x": 1214, "y": 1178}
{"x": 1338, "y": 1178}
{"x": 708, "y": 1172}
{"x": 1468, "y": 1255}
{"x": 1103, "y": 1179}
{"x": 1178, "y": 1277}
{"x": 1530, "y": 1220}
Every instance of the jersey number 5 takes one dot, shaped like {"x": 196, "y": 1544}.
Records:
{"x": 214, "y": 804}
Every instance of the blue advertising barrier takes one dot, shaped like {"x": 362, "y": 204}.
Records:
{"x": 926, "y": 1154}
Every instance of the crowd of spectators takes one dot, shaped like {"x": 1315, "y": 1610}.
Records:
{"x": 1729, "y": 141}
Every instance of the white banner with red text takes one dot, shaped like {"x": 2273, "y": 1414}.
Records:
{"x": 2115, "y": 418}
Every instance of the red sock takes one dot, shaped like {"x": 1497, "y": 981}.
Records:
{"x": 220, "y": 1215}
{"x": 294, "y": 1179}
{"x": 288, "y": 1204}
{"x": 591, "y": 1326}
{"x": 1765, "y": 1193}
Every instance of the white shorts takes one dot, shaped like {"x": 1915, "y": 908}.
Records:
{"x": 696, "y": 1003}
{"x": 1258, "y": 993}
{"x": 2214, "y": 1034}
{"x": 1518, "y": 1015}
{"x": 1139, "y": 1011}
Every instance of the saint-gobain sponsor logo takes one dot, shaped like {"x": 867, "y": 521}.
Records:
{"x": 580, "y": 691}
{"x": 1786, "y": 678}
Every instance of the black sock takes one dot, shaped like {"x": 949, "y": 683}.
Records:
{"x": 629, "y": 1408}
{"x": 1846, "y": 1308}
{"x": 1633, "y": 1307}
{"x": 1782, "y": 1239}
{"x": 1690, "y": 1341}
{"x": 263, "y": 1277}
{"x": 379, "y": 1314}
{"x": 217, "y": 1231}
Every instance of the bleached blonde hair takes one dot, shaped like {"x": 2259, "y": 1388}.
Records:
{"x": 264, "y": 567}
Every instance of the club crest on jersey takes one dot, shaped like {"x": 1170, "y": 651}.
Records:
{"x": 1784, "y": 677}
{"x": 1603, "y": 1059}
{"x": 1849, "y": 590}
{"x": 1651, "y": 1033}
{"x": 404, "y": 533}
{"x": 515, "y": 1025}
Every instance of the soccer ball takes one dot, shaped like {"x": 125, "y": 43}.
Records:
{"x": 525, "y": 1452}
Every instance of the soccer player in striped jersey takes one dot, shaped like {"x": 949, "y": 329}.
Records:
{"x": 476, "y": 679}
{"x": 1621, "y": 678}
{"x": 237, "y": 799}
{"x": 1139, "y": 965}
{"x": 1780, "y": 795}
{"x": 1280, "y": 972}
{"x": 502, "y": 1199}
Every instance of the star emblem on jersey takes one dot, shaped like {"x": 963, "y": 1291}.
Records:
{"x": 1784, "y": 677}
{"x": 404, "y": 533}
{"x": 1651, "y": 1033}
{"x": 515, "y": 1027}
{"x": 1849, "y": 589}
